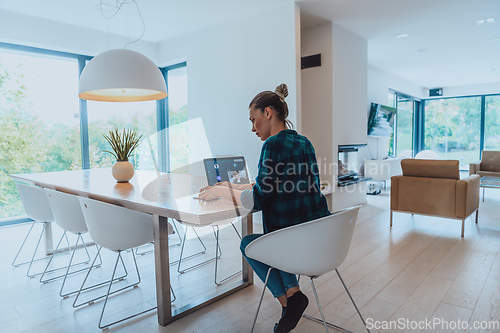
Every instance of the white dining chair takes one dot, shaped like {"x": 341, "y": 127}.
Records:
{"x": 309, "y": 249}
{"x": 68, "y": 216}
{"x": 218, "y": 251}
{"x": 117, "y": 229}
{"x": 37, "y": 208}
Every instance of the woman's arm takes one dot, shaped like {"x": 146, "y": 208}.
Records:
{"x": 241, "y": 187}
{"x": 220, "y": 191}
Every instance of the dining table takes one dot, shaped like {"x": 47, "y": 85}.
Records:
{"x": 164, "y": 196}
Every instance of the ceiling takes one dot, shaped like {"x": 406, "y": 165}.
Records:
{"x": 444, "y": 47}
{"x": 163, "y": 18}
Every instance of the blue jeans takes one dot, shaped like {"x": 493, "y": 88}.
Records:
{"x": 279, "y": 282}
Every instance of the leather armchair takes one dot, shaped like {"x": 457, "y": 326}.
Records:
{"x": 434, "y": 187}
{"x": 489, "y": 166}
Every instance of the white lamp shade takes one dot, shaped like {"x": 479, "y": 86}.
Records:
{"x": 121, "y": 75}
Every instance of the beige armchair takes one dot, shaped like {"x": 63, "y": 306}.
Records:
{"x": 434, "y": 187}
{"x": 488, "y": 167}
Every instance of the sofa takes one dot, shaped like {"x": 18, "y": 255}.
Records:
{"x": 434, "y": 187}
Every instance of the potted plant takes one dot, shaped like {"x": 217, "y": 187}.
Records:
{"x": 122, "y": 145}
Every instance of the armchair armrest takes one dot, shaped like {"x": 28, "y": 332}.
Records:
{"x": 467, "y": 196}
{"x": 395, "y": 192}
{"x": 474, "y": 168}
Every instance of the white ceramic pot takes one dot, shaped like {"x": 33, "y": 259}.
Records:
{"x": 123, "y": 171}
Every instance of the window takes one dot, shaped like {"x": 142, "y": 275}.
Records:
{"x": 452, "y": 128}
{"x": 104, "y": 116}
{"x": 404, "y": 126}
{"x": 177, "y": 117}
{"x": 39, "y": 119}
{"x": 492, "y": 123}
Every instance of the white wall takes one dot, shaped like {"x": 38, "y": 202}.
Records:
{"x": 379, "y": 83}
{"x": 350, "y": 102}
{"x": 476, "y": 89}
{"x": 334, "y": 101}
{"x": 38, "y": 32}
{"x": 317, "y": 102}
{"x": 227, "y": 65}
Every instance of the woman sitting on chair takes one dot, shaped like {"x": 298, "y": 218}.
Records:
{"x": 286, "y": 190}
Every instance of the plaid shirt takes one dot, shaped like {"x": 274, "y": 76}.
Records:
{"x": 287, "y": 186}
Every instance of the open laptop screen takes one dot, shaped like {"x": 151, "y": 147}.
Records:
{"x": 232, "y": 169}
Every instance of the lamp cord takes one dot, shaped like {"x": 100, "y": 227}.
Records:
{"x": 118, "y": 6}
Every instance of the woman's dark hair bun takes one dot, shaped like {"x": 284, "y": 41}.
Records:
{"x": 282, "y": 91}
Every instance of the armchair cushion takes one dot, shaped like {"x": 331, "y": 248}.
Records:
{"x": 490, "y": 161}
{"x": 431, "y": 168}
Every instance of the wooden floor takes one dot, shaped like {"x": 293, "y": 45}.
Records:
{"x": 419, "y": 269}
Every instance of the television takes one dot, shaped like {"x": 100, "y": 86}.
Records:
{"x": 381, "y": 120}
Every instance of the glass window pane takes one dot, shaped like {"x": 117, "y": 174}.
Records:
{"x": 178, "y": 116}
{"x": 39, "y": 119}
{"x": 105, "y": 116}
{"x": 452, "y": 128}
{"x": 492, "y": 123}
{"x": 404, "y": 128}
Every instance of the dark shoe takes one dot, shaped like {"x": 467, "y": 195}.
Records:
{"x": 296, "y": 305}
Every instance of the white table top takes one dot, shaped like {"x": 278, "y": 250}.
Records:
{"x": 166, "y": 194}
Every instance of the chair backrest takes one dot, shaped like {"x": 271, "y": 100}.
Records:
{"x": 490, "y": 161}
{"x": 312, "y": 248}
{"x": 114, "y": 227}
{"x": 66, "y": 210}
{"x": 35, "y": 202}
{"x": 430, "y": 168}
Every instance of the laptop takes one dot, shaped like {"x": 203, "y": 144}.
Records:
{"x": 232, "y": 169}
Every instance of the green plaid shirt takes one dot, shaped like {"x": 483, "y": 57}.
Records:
{"x": 287, "y": 186}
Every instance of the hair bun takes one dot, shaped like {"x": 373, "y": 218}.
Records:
{"x": 282, "y": 91}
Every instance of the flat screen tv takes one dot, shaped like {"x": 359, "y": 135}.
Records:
{"x": 381, "y": 120}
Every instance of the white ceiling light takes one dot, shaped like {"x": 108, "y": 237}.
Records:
{"x": 402, "y": 35}
{"x": 121, "y": 75}
{"x": 486, "y": 20}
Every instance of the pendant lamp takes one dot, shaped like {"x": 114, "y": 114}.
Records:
{"x": 121, "y": 75}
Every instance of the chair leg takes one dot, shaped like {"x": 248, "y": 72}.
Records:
{"x": 319, "y": 305}
{"x": 391, "y": 218}
{"x": 34, "y": 253}
{"x": 328, "y": 324}
{"x": 193, "y": 255}
{"x": 483, "y": 192}
{"x": 463, "y": 227}
{"x": 70, "y": 264}
{"x": 83, "y": 288}
{"x": 21, "y": 247}
{"x": 477, "y": 215}
{"x": 261, "y": 297}
{"x": 100, "y": 325}
{"x": 216, "y": 259}
{"x": 352, "y": 299}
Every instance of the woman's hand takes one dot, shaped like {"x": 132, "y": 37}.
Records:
{"x": 227, "y": 184}
{"x": 215, "y": 192}
{"x": 220, "y": 191}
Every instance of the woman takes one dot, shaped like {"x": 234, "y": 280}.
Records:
{"x": 286, "y": 189}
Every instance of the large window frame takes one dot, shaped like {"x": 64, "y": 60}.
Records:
{"x": 162, "y": 113}
{"x": 419, "y": 119}
{"x": 421, "y": 127}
